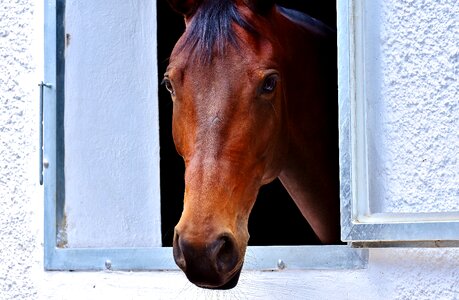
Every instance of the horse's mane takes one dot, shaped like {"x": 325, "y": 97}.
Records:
{"x": 211, "y": 29}
{"x": 306, "y": 21}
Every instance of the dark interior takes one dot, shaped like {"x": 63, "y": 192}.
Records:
{"x": 275, "y": 219}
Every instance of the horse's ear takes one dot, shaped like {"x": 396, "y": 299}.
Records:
{"x": 185, "y": 7}
{"x": 260, "y": 6}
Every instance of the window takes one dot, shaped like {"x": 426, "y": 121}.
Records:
{"x": 107, "y": 215}
{"x": 274, "y": 202}
{"x": 367, "y": 220}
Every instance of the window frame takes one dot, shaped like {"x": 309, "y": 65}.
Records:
{"x": 358, "y": 225}
{"x": 57, "y": 257}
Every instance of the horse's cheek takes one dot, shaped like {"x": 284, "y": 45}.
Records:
{"x": 178, "y": 135}
{"x": 182, "y": 129}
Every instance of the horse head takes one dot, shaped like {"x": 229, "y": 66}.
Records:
{"x": 226, "y": 85}
{"x": 227, "y": 77}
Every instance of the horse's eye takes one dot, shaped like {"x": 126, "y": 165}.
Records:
{"x": 168, "y": 84}
{"x": 269, "y": 85}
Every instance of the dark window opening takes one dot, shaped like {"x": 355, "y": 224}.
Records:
{"x": 275, "y": 219}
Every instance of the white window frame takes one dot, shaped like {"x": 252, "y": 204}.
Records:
{"x": 359, "y": 227}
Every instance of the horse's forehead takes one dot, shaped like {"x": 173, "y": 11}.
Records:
{"x": 235, "y": 57}
{"x": 229, "y": 68}
{"x": 236, "y": 64}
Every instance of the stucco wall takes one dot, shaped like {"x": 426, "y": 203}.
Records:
{"x": 391, "y": 274}
{"x": 19, "y": 238}
{"x": 414, "y": 104}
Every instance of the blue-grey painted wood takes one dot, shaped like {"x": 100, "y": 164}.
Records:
{"x": 41, "y": 85}
{"x": 305, "y": 257}
{"x": 405, "y": 232}
{"x": 49, "y": 132}
{"x": 40, "y": 135}
{"x": 257, "y": 258}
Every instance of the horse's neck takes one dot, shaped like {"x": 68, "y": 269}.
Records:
{"x": 310, "y": 172}
{"x": 306, "y": 176}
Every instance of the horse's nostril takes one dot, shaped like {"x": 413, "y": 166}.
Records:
{"x": 178, "y": 253}
{"x": 226, "y": 254}
{"x": 210, "y": 264}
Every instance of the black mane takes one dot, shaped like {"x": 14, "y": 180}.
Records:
{"x": 306, "y": 21}
{"x": 211, "y": 29}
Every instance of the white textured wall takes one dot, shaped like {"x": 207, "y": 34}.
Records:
{"x": 18, "y": 145}
{"x": 414, "y": 105}
{"x": 391, "y": 274}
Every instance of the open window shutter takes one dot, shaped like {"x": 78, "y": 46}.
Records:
{"x": 362, "y": 47}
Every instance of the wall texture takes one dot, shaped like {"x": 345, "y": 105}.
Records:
{"x": 415, "y": 104}
{"x": 391, "y": 274}
{"x": 18, "y": 158}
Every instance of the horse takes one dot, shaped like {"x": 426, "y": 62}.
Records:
{"x": 253, "y": 88}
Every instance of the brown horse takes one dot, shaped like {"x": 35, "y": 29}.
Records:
{"x": 254, "y": 98}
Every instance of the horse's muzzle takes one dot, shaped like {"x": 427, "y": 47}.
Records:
{"x": 214, "y": 265}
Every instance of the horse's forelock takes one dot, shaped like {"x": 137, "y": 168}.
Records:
{"x": 211, "y": 30}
